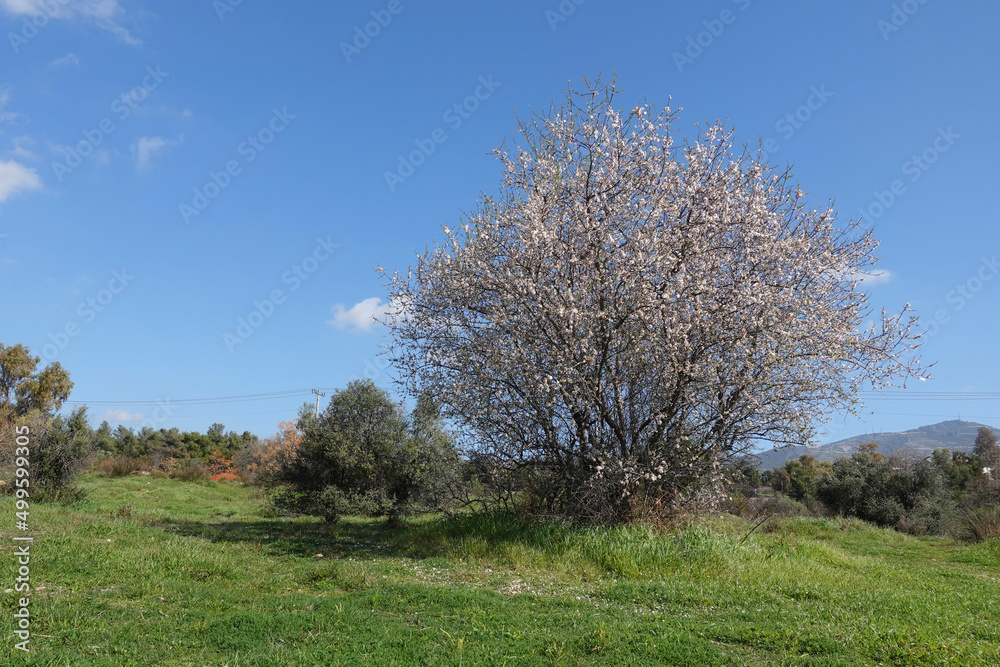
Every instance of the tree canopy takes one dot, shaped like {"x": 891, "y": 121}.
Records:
{"x": 627, "y": 312}
{"x": 24, "y": 389}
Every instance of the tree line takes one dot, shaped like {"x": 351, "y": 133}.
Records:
{"x": 62, "y": 446}
{"x": 948, "y": 493}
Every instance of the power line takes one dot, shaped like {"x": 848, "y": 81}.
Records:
{"x": 924, "y": 414}
{"x": 906, "y": 392}
{"x": 887, "y": 394}
{"x": 274, "y": 395}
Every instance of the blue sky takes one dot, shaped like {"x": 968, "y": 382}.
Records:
{"x": 169, "y": 169}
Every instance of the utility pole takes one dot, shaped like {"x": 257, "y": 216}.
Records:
{"x": 318, "y": 394}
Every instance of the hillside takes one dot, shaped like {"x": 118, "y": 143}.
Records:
{"x": 952, "y": 434}
{"x": 154, "y": 571}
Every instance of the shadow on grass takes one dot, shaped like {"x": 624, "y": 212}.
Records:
{"x": 297, "y": 537}
{"x": 422, "y": 537}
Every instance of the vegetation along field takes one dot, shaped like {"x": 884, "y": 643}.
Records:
{"x": 154, "y": 571}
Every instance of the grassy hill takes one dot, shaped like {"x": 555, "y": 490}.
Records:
{"x": 954, "y": 435}
{"x": 161, "y": 572}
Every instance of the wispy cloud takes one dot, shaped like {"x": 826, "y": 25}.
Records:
{"x": 100, "y": 156}
{"x": 20, "y": 149}
{"x": 146, "y": 149}
{"x": 68, "y": 60}
{"x": 121, "y": 416}
{"x": 361, "y": 316}
{"x": 105, "y": 14}
{"x": 15, "y": 177}
{"x": 877, "y": 277}
{"x": 6, "y": 116}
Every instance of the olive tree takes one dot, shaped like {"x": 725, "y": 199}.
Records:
{"x": 29, "y": 396}
{"x": 627, "y": 312}
{"x": 24, "y": 389}
{"x": 363, "y": 456}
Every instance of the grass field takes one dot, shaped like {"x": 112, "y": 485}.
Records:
{"x": 161, "y": 572}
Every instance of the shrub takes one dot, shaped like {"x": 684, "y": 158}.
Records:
{"x": 361, "y": 457}
{"x": 191, "y": 470}
{"x": 980, "y": 524}
{"x": 913, "y": 498}
{"x": 120, "y": 466}
{"x": 260, "y": 461}
{"x": 799, "y": 478}
{"x": 219, "y": 463}
{"x": 59, "y": 451}
{"x": 779, "y": 506}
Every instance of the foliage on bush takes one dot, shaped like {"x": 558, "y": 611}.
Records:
{"x": 218, "y": 463}
{"x": 756, "y": 507}
{"x": 362, "y": 456}
{"x": 869, "y": 487}
{"x": 59, "y": 451}
{"x": 190, "y": 470}
{"x": 121, "y": 466}
{"x": 980, "y": 524}
{"x": 799, "y": 478}
{"x": 260, "y": 461}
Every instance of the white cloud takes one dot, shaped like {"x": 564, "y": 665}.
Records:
{"x": 105, "y": 14}
{"x": 361, "y": 315}
{"x": 68, "y": 60}
{"x": 145, "y": 149}
{"x": 5, "y": 116}
{"x": 100, "y": 156}
{"x": 121, "y": 416}
{"x": 19, "y": 150}
{"x": 15, "y": 177}
{"x": 877, "y": 277}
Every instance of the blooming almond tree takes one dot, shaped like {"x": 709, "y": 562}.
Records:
{"x": 627, "y": 313}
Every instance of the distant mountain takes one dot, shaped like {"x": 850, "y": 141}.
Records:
{"x": 954, "y": 435}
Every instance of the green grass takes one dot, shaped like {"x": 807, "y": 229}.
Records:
{"x": 162, "y": 572}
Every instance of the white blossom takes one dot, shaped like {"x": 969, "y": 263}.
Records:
{"x": 627, "y": 309}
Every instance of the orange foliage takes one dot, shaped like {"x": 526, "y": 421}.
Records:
{"x": 277, "y": 450}
{"x": 219, "y": 463}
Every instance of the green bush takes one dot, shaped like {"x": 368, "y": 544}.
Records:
{"x": 363, "y": 457}
{"x": 59, "y": 451}
{"x": 778, "y": 505}
{"x": 914, "y": 498}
